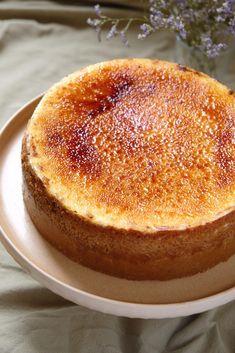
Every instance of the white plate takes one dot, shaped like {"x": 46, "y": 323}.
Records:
{"x": 142, "y": 299}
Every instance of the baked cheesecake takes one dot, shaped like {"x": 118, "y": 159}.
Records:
{"x": 129, "y": 169}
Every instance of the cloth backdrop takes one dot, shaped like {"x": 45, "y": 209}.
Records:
{"x": 40, "y": 42}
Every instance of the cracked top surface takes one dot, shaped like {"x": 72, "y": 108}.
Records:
{"x": 137, "y": 144}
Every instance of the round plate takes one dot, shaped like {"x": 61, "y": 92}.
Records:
{"x": 142, "y": 299}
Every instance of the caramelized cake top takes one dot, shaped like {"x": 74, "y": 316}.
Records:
{"x": 137, "y": 144}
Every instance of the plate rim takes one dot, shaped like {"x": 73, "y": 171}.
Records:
{"x": 99, "y": 303}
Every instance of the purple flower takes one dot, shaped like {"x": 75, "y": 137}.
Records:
{"x": 225, "y": 11}
{"x": 178, "y": 25}
{"x": 220, "y": 18}
{"x": 97, "y": 10}
{"x": 159, "y": 20}
{"x": 232, "y": 25}
{"x": 216, "y": 49}
{"x": 156, "y": 18}
{"x": 93, "y": 22}
{"x": 96, "y": 24}
{"x": 159, "y": 4}
{"x": 124, "y": 38}
{"x": 181, "y": 4}
{"x": 146, "y": 31}
{"x": 212, "y": 49}
{"x": 112, "y": 32}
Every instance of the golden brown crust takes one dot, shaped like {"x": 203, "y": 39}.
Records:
{"x": 130, "y": 254}
{"x": 133, "y": 138}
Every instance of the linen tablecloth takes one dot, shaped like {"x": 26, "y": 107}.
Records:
{"x": 40, "y": 42}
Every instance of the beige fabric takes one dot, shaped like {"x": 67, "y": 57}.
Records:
{"x": 40, "y": 42}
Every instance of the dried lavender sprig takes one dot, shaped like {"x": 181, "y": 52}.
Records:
{"x": 201, "y": 24}
{"x": 119, "y": 26}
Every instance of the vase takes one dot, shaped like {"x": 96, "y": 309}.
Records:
{"x": 220, "y": 68}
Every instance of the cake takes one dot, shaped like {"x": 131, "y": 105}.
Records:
{"x": 129, "y": 169}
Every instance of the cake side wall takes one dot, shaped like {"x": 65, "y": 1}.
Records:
{"x": 129, "y": 254}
